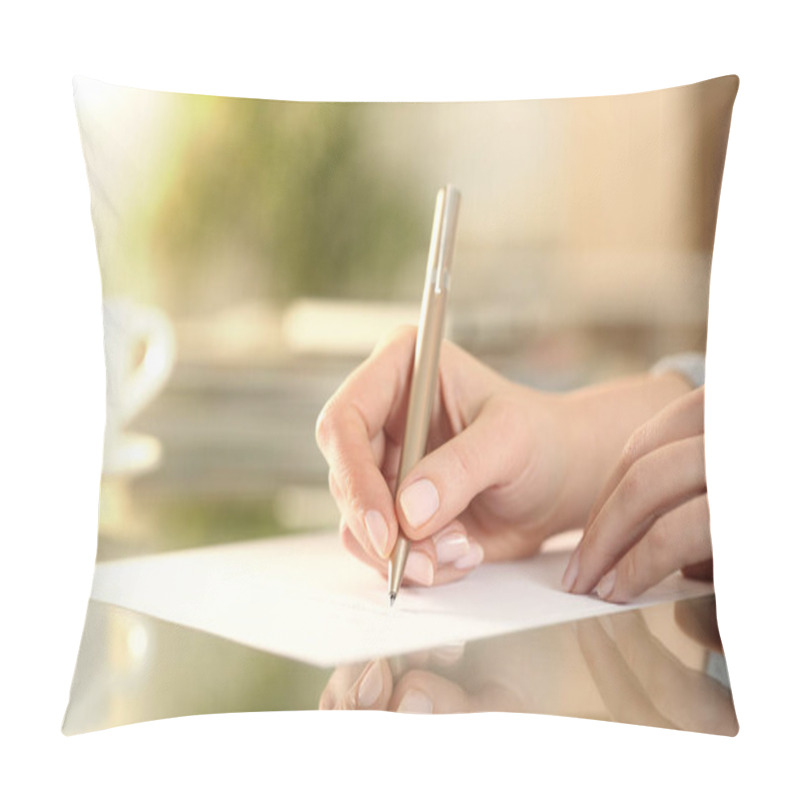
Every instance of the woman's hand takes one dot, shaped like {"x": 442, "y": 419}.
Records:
{"x": 652, "y": 516}
{"x": 492, "y": 486}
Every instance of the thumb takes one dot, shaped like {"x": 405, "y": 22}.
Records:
{"x": 446, "y": 480}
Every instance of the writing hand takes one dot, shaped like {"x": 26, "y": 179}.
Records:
{"x": 488, "y": 487}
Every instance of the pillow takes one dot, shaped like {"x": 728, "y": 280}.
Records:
{"x": 252, "y": 254}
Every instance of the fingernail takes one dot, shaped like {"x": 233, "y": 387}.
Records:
{"x": 419, "y": 502}
{"x": 472, "y": 558}
{"x": 370, "y": 687}
{"x": 571, "y": 573}
{"x": 606, "y": 585}
{"x": 415, "y": 702}
{"x": 419, "y": 568}
{"x": 377, "y": 531}
{"x": 450, "y": 547}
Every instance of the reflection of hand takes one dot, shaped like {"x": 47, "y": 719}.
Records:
{"x": 358, "y": 686}
{"x": 652, "y": 516}
{"x": 642, "y": 683}
{"x": 698, "y": 620}
{"x": 411, "y": 688}
{"x": 545, "y": 671}
{"x": 488, "y": 488}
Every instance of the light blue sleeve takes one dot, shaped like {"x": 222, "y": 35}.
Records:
{"x": 691, "y": 365}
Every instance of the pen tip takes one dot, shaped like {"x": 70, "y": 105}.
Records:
{"x": 392, "y": 598}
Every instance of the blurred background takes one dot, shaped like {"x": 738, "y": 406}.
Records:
{"x": 280, "y": 240}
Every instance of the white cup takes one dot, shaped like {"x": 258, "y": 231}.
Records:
{"x": 140, "y": 353}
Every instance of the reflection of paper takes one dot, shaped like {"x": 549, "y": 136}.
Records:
{"x": 306, "y": 598}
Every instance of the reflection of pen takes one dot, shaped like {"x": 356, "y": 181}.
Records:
{"x": 424, "y": 378}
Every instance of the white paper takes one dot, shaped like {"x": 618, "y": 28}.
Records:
{"x": 306, "y": 598}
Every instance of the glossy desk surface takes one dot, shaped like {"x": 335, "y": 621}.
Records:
{"x": 661, "y": 666}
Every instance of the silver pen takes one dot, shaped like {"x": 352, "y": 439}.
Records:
{"x": 424, "y": 377}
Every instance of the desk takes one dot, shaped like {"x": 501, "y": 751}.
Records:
{"x": 659, "y": 665}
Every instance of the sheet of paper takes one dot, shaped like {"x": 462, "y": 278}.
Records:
{"x": 304, "y": 597}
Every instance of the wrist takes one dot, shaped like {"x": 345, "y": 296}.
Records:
{"x": 581, "y": 442}
{"x": 598, "y": 421}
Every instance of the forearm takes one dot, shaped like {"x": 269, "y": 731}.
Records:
{"x": 599, "y": 421}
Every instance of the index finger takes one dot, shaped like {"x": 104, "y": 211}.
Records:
{"x": 369, "y": 402}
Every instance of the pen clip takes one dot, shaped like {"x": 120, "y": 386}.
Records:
{"x": 443, "y": 240}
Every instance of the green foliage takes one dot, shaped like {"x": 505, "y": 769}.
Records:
{"x": 286, "y": 193}
{"x": 193, "y": 522}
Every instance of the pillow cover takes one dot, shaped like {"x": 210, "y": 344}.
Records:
{"x": 252, "y": 253}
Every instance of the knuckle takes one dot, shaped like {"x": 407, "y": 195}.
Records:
{"x": 331, "y": 427}
{"x": 636, "y": 446}
{"x": 348, "y": 487}
{"x": 325, "y": 425}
